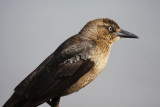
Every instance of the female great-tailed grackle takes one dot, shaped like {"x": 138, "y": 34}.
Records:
{"x": 73, "y": 65}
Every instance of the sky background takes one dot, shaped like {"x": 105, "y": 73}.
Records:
{"x": 30, "y": 30}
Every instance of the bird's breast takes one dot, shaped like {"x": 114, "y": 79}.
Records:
{"x": 100, "y": 60}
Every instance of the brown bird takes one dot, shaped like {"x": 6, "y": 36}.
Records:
{"x": 73, "y": 65}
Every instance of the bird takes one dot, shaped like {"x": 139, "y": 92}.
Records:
{"x": 72, "y": 66}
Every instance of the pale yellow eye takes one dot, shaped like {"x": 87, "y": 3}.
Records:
{"x": 110, "y": 28}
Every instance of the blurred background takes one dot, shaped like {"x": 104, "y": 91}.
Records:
{"x": 30, "y": 30}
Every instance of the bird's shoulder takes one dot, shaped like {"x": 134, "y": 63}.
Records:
{"x": 74, "y": 47}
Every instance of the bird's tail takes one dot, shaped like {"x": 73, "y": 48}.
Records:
{"x": 15, "y": 101}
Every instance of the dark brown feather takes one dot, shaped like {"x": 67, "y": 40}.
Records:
{"x": 62, "y": 68}
{"x": 58, "y": 72}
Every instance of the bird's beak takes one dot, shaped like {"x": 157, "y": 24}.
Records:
{"x": 126, "y": 34}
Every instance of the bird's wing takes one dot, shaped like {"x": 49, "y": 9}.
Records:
{"x": 59, "y": 71}
{"x": 21, "y": 88}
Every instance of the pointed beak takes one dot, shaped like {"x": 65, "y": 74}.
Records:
{"x": 126, "y": 34}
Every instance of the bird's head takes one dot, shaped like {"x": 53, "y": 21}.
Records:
{"x": 106, "y": 30}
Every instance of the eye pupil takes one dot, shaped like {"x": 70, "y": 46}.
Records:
{"x": 110, "y": 28}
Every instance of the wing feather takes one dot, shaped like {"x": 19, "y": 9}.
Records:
{"x": 59, "y": 71}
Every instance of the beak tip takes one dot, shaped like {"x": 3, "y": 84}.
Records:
{"x": 126, "y": 34}
{"x": 136, "y": 37}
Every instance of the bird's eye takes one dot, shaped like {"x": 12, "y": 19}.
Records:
{"x": 110, "y": 29}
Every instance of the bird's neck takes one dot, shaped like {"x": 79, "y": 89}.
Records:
{"x": 88, "y": 30}
{"x": 104, "y": 46}
{"x": 91, "y": 34}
